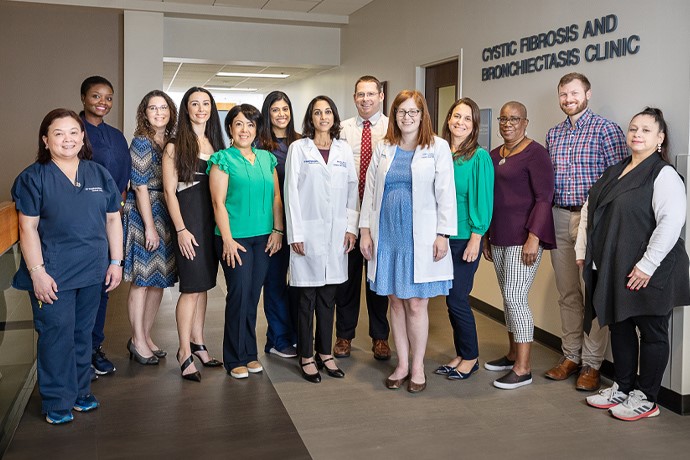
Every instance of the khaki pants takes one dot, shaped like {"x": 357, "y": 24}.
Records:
{"x": 576, "y": 345}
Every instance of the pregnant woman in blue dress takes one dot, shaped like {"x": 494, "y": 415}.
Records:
{"x": 408, "y": 213}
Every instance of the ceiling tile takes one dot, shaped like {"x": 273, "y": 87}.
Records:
{"x": 291, "y": 5}
{"x": 193, "y": 2}
{"x": 257, "y": 4}
{"x": 344, "y": 7}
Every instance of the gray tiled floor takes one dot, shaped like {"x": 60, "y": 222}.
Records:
{"x": 357, "y": 417}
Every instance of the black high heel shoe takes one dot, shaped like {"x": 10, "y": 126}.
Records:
{"x": 134, "y": 354}
{"x": 193, "y": 376}
{"x": 336, "y": 373}
{"x": 213, "y": 362}
{"x": 160, "y": 353}
{"x": 313, "y": 378}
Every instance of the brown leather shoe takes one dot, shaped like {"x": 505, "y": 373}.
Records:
{"x": 381, "y": 350}
{"x": 589, "y": 379}
{"x": 561, "y": 371}
{"x": 396, "y": 384}
{"x": 413, "y": 387}
{"x": 342, "y": 348}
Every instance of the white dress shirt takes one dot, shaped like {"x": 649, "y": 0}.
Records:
{"x": 351, "y": 132}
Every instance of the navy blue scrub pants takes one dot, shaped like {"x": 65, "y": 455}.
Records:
{"x": 63, "y": 356}
{"x": 98, "y": 334}
{"x": 459, "y": 311}
{"x": 244, "y": 284}
{"x": 651, "y": 350}
{"x": 281, "y": 331}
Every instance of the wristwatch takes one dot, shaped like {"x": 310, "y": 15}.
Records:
{"x": 118, "y": 262}
{"x": 445, "y": 236}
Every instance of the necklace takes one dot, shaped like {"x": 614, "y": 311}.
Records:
{"x": 510, "y": 151}
{"x": 76, "y": 182}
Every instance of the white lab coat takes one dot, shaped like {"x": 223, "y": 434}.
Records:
{"x": 321, "y": 205}
{"x": 434, "y": 207}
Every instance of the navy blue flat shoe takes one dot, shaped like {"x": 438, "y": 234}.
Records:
{"x": 457, "y": 375}
{"x": 444, "y": 370}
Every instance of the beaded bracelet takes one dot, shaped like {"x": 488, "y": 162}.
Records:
{"x": 33, "y": 269}
{"x": 279, "y": 232}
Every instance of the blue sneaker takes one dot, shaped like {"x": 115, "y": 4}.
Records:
{"x": 101, "y": 364}
{"x": 94, "y": 376}
{"x": 86, "y": 403}
{"x": 59, "y": 417}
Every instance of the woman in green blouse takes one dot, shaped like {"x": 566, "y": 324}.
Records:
{"x": 474, "y": 190}
{"x": 249, "y": 229}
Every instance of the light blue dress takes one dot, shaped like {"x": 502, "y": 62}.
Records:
{"x": 395, "y": 255}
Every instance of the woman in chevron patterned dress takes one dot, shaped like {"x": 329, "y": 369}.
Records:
{"x": 149, "y": 244}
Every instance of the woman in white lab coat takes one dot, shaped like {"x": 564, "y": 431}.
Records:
{"x": 322, "y": 210}
{"x": 408, "y": 213}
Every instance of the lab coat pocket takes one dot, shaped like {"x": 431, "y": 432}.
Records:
{"x": 314, "y": 238}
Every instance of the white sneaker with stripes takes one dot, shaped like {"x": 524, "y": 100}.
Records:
{"x": 607, "y": 398}
{"x": 635, "y": 407}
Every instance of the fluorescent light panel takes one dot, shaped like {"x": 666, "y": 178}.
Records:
{"x": 252, "y": 75}
{"x": 225, "y": 88}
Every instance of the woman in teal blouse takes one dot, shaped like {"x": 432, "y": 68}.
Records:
{"x": 249, "y": 229}
{"x": 474, "y": 190}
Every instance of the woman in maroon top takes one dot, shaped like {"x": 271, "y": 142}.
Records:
{"x": 521, "y": 228}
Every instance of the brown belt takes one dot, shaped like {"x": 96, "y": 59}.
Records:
{"x": 570, "y": 208}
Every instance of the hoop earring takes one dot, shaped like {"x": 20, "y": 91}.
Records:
{"x": 231, "y": 141}
{"x": 658, "y": 147}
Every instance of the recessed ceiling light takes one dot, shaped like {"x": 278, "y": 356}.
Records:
{"x": 226, "y": 88}
{"x": 252, "y": 75}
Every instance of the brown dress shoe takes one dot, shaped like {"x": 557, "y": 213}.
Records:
{"x": 342, "y": 348}
{"x": 561, "y": 371}
{"x": 381, "y": 350}
{"x": 589, "y": 379}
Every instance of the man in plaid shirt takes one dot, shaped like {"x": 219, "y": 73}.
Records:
{"x": 581, "y": 148}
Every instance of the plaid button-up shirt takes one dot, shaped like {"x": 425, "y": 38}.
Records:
{"x": 580, "y": 154}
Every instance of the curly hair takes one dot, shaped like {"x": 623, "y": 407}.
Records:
{"x": 144, "y": 127}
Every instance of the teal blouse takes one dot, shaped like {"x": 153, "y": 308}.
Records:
{"x": 249, "y": 200}
{"x": 474, "y": 192}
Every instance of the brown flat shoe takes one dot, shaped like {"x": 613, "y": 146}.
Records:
{"x": 416, "y": 387}
{"x": 396, "y": 384}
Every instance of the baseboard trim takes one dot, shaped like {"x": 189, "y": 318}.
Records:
{"x": 680, "y": 404}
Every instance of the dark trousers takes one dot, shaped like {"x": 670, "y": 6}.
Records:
{"x": 244, "y": 284}
{"x": 347, "y": 299}
{"x": 63, "y": 358}
{"x": 652, "y": 348}
{"x": 322, "y": 301}
{"x": 281, "y": 331}
{"x": 98, "y": 333}
{"x": 458, "y": 302}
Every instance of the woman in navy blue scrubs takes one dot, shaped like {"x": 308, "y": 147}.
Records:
{"x": 276, "y": 134}
{"x": 69, "y": 220}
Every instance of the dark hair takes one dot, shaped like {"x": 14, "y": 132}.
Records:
{"x": 267, "y": 138}
{"x": 43, "y": 155}
{"x": 144, "y": 128}
{"x": 567, "y": 78}
{"x": 249, "y": 111}
{"x": 425, "y": 136}
{"x": 308, "y": 128}
{"x": 369, "y": 78}
{"x": 186, "y": 142}
{"x": 658, "y": 116}
{"x": 93, "y": 81}
{"x": 470, "y": 144}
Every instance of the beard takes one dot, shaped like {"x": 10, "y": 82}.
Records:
{"x": 579, "y": 108}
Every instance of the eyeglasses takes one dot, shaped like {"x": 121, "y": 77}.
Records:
{"x": 363, "y": 95}
{"x": 512, "y": 120}
{"x": 157, "y": 108}
{"x": 400, "y": 113}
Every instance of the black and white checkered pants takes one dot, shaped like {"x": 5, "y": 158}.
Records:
{"x": 515, "y": 279}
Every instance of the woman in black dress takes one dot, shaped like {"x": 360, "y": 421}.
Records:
{"x": 189, "y": 203}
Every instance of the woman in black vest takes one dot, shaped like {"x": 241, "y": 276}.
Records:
{"x": 635, "y": 265}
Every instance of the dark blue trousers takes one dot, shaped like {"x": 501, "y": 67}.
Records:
{"x": 98, "y": 333}
{"x": 281, "y": 331}
{"x": 64, "y": 346}
{"x": 459, "y": 311}
{"x": 244, "y": 284}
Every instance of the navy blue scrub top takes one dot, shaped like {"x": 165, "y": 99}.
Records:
{"x": 111, "y": 151}
{"x": 72, "y": 222}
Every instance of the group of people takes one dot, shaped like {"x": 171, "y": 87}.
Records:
{"x": 300, "y": 215}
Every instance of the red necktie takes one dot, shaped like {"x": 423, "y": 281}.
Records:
{"x": 365, "y": 156}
